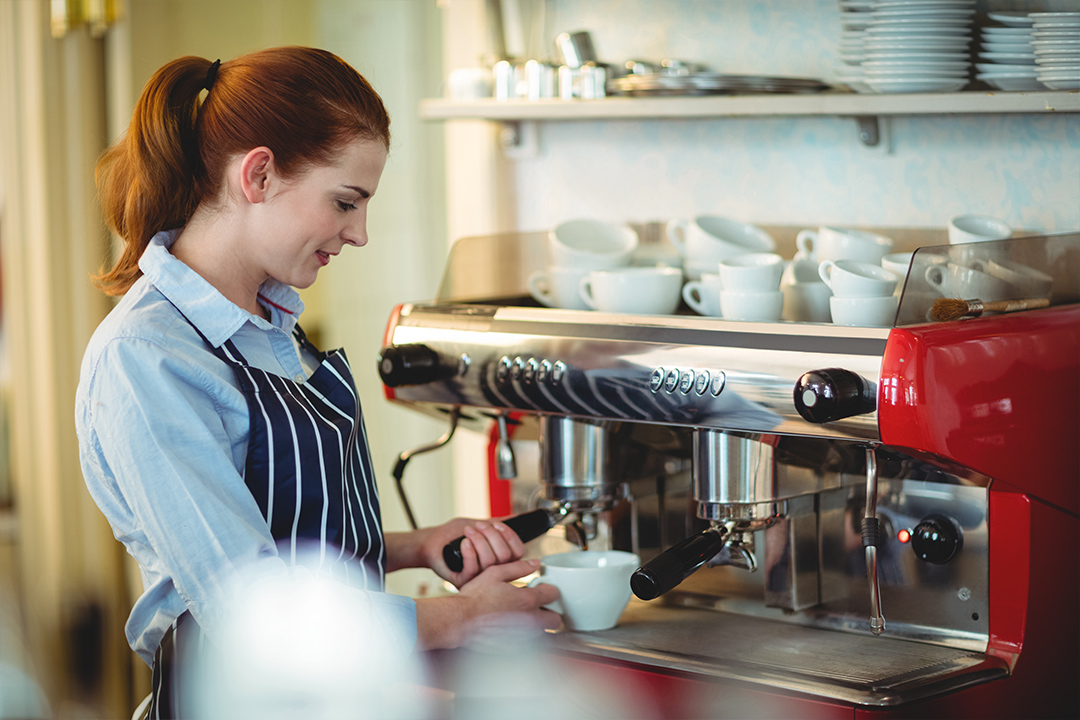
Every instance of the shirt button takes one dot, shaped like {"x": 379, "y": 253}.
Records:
{"x": 299, "y": 377}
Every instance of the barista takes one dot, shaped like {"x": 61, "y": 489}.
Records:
{"x": 219, "y": 442}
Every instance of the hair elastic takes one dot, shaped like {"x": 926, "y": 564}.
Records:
{"x": 211, "y": 75}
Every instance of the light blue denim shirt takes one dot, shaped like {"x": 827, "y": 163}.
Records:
{"x": 163, "y": 433}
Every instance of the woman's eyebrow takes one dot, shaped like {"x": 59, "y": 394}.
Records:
{"x": 358, "y": 190}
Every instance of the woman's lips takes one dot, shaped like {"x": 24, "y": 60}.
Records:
{"x": 324, "y": 258}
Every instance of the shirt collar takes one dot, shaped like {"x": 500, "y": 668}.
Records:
{"x": 205, "y": 307}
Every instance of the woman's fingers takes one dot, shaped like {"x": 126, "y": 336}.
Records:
{"x": 494, "y": 543}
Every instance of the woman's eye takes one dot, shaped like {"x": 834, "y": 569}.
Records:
{"x": 345, "y": 207}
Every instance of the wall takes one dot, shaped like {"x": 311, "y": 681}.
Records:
{"x": 785, "y": 171}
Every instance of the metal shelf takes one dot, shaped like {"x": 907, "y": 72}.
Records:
{"x": 720, "y": 106}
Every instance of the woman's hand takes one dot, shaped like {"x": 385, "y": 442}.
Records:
{"x": 444, "y": 622}
{"x": 487, "y": 543}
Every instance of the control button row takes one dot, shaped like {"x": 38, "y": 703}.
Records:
{"x": 700, "y": 381}
{"x": 529, "y": 370}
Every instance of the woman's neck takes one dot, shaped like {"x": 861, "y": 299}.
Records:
{"x": 210, "y": 246}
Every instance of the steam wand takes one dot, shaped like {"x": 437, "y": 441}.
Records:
{"x": 404, "y": 457}
{"x": 870, "y": 535}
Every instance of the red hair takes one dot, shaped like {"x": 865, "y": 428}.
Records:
{"x": 302, "y": 103}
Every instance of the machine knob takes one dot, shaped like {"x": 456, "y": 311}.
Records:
{"x": 411, "y": 364}
{"x": 937, "y": 539}
{"x": 822, "y": 396}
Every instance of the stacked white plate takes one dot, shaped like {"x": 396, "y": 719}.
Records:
{"x": 1006, "y": 55}
{"x": 1057, "y": 49}
{"x": 854, "y": 18}
{"x": 918, "y": 45}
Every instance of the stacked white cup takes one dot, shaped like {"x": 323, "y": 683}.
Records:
{"x": 705, "y": 240}
{"x": 750, "y": 287}
{"x": 806, "y": 297}
{"x": 576, "y": 248}
{"x": 862, "y": 292}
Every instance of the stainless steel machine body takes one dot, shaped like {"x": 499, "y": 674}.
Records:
{"x": 670, "y": 428}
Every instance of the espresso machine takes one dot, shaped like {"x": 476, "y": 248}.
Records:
{"x": 833, "y": 521}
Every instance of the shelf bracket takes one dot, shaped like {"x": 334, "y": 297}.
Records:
{"x": 869, "y": 132}
{"x": 518, "y": 139}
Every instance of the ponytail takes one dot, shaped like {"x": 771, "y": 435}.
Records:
{"x": 146, "y": 180}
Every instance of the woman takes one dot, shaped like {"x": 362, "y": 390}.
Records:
{"x": 218, "y": 441}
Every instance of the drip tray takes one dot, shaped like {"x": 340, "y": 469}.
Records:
{"x": 844, "y": 666}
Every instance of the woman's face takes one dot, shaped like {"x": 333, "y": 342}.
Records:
{"x": 314, "y": 215}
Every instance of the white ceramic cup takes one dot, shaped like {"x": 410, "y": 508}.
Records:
{"x": 635, "y": 290}
{"x": 807, "y": 302}
{"x": 703, "y": 296}
{"x": 800, "y": 270}
{"x": 594, "y": 586}
{"x": 756, "y": 306}
{"x": 898, "y": 264}
{"x": 591, "y": 244}
{"x": 557, "y": 287}
{"x": 1028, "y": 282}
{"x": 852, "y": 278}
{"x": 864, "y": 311}
{"x": 708, "y": 239}
{"x": 833, "y": 243}
{"x": 965, "y": 283}
{"x": 977, "y": 228}
{"x": 758, "y": 272}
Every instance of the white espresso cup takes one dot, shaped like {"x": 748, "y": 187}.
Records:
{"x": 748, "y": 305}
{"x": 594, "y": 586}
{"x": 898, "y": 264}
{"x": 758, "y": 272}
{"x": 634, "y": 290}
{"x": 1028, "y": 282}
{"x": 807, "y": 302}
{"x": 833, "y": 243}
{"x": 852, "y": 278}
{"x": 708, "y": 239}
{"x": 965, "y": 283}
{"x": 977, "y": 228}
{"x": 864, "y": 311}
{"x": 557, "y": 287}
{"x": 703, "y": 296}
{"x": 591, "y": 244}
{"x": 806, "y": 297}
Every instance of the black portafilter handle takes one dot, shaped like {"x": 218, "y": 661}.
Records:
{"x": 411, "y": 364}
{"x": 830, "y": 394}
{"x": 675, "y": 564}
{"x": 528, "y": 526}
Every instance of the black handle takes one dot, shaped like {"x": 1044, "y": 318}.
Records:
{"x": 822, "y": 396}
{"x": 527, "y": 526}
{"x": 410, "y": 364}
{"x": 674, "y": 565}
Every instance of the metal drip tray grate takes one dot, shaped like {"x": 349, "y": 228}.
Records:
{"x": 859, "y": 669}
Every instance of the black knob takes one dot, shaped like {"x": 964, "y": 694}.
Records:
{"x": 937, "y": 539}
{"x": 412, "y": 364}
{"x": 822, "y": 396}
{"x": 675, "y": 564}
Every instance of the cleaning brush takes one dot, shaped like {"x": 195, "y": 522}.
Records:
{"x": 947, "y": 309}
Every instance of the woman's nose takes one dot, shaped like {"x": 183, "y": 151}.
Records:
{"x": 355, "y": 234}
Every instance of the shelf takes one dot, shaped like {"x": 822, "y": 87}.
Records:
{"x": 718, "y": 106}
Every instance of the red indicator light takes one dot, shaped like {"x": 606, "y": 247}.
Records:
{"x": 903, "y": 536}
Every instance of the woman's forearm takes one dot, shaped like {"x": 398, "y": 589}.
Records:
{"x": 405, "y": 549}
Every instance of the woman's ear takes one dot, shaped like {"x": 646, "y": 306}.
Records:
{"x": 256, "y": 170}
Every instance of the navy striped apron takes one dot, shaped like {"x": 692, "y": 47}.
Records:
{"x": 309, "y": 469}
